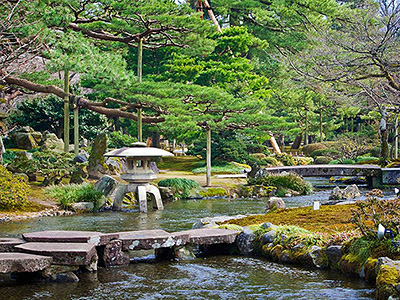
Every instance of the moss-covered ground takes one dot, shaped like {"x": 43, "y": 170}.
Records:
{"x": 330, "y": 218}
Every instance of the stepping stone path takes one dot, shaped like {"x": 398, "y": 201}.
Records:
{"x": 58, "y": 254}
{"x": 22, "y": 262}
{"x": 152, "y": 239}
{"x": 71, "y": 254}
{"x": 211, "y": 236}
{"x": 7, "y": 244}
{"x": 63, "y": 236}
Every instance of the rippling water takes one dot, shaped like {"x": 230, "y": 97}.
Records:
{"x": 222, "y": 277}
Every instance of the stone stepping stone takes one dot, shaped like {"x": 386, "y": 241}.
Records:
{"x": 7, "y": 244}
{"x": 22, "y": 262}
{"x": 72, "y": 254}
{"x": 151, "y": 239}
{"x": 211, "y": 236}
{"x": 63, "y": 236}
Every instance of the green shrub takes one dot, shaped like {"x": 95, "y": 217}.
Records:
{"x": 72, "y": 193}
{"x": 180, "y": 187}
{"x": 286, "y": 159}
{"x": 13, "y": 190}
{"x": 283, "y": 182}
{"x": 308, "y": 149}
{"x": 367, "y": 160}
{"x": 344, "y": 161}
{"x": 322, "y": 160}
{"x": 117, "y": 139}
{"x": 8, "y": 156}
{"x": 52, "y": 165}
{"x": 301, "y": 161}
{"x": 325, "y": 152}
{"x": 262, "y": 160}
{"x": 256, "y": 148}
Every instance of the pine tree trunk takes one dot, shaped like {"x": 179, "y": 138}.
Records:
{"x": 208, "y": 158}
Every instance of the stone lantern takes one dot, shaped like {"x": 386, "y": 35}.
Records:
{"x": 139, "y": 174}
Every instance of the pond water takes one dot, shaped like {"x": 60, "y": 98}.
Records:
{"x": 220, "y": 277}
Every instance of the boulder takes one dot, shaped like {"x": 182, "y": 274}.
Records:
{"x": 108, "y": 186}
{"x": 80, "y": 159}
{"x": 334, "y": 254}
{"x": 268, "y": 237}
{"x": 315, "y": 257}
{"x": 245, "y": 241}
{"x": 97, "y": 166}
{"x": 79, "y": 174}
{"x": 350, "y": 192}
{"x": 52, "y": 142}
{"x": 60, "y": 273}
{"x": 23, "y": 138}
{"x": 275, "y": 203}
{"x": 83, "y": 206}
{"x": 388, "y": 278}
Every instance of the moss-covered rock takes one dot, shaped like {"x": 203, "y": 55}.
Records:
{"x": 322, "y": 160}
{"x": 370, "y": 271}
{"x": 350, "y": 264}
{"x": 388, "y": 278}
{"x": 97, "y": 167}
{"x": 214, "y": 192}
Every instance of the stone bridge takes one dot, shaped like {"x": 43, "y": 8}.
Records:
{"x": 376, "y": 176}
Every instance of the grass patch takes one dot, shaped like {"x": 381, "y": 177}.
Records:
{"x": 72, "y": 193}
{"x": 180, "y": 163}
{"x": 330, "y": 218}
{"x": 180, "y": 187}
{"x": 226, "y": 168}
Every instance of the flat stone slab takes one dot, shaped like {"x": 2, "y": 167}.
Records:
{"x": 63, "y": 236}
{"x": 21, "y": 262}
{"x": 7, "y": 244}
{"x": 152, "y": 239}
{"x": 211, "y": 236}
{"x": 72, "y": 254}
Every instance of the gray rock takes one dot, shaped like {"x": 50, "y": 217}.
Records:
{"x": 268, "y": 225}
{"x": 83, "y": 206}
{"x": 80, "y": 159}
{"x": 298, "y": 246}
{"x": 334, "y": 254}
{"x": 52, "y": 142}
{"x": 60, "y": 273}
{"x": 97, "y": 166}
{"x": 112, "y": 254}
{"x": 315, "y": 257}
{"x": 245, "y": 241}
{"x": 108, "y": 186}
{"x": 268, "y": 237}
{"x": 24, "y": 138}
{"x": 275, "y": 203}
{"x": 350, "y": 192}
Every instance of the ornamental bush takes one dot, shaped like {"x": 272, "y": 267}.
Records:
{"x": 13, "y": 191}
{"x": 283, "y": 183}
{"x": 180, "y": 187}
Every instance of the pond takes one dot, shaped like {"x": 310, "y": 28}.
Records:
{"x": 220, "y": 277}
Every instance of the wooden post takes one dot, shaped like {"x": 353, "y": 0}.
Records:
{"x": 139, "y": 74}
{"x": 66, "y": 111}
{"x": 306, "y": 131}
{"x": 396, "y": 139}
{"x": 208, "y": 157}
{"x": 320, "y": 125}
{"x": 76, "y": 128}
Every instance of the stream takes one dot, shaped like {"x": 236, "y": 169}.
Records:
{"x": 219, "y": 277}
